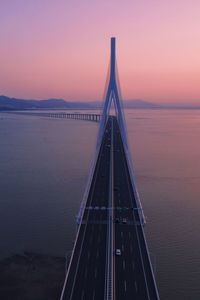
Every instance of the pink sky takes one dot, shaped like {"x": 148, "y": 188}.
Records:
{"x": 61, "y": 48}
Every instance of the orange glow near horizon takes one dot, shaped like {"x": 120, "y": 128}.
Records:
{"x": 60, "y": 49}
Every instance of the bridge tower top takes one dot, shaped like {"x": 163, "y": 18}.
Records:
{"x": 112, "y": 59}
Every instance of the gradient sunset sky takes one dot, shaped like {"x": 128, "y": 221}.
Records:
{"x": 61, "y": 49}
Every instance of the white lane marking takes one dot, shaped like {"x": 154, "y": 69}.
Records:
{"x": 121, "y": 234}
{"x": 125, "y": 285}
{"x": 82, "y": 295}
{"x": 136, "y": 288}
{"x": 124, "y": 264}
{"x": 95, "y": 273}
{"x": 93, "y": 295}
{"x": 88, "y": 255}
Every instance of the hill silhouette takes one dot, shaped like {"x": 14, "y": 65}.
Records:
{"x": 7, "y": 103}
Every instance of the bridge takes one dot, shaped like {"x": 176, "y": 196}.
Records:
{"x": 63, "y": 115}
{"x": 110, "y": 258}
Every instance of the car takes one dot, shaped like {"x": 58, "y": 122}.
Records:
{"x": 117, "y": 220}
{"x": 118, "y": 252}
{"x": 124, "y": 220}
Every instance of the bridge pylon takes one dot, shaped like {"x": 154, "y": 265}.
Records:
{"x": 112, "y": 95}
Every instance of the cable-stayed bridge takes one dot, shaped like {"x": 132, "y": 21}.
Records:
{"x": 110, "y": 258}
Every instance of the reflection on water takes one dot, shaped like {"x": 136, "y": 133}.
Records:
{"x": 44, "y": 165}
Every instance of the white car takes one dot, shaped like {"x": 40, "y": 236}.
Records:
{"x": 118, "y": 252}
{"x": 124, "y": 220}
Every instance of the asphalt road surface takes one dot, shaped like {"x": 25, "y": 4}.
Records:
{"x": 86, "y": 277}
{"x": 132, "y": 273}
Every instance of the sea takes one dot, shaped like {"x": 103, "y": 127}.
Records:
{"x": 44, "y": 165}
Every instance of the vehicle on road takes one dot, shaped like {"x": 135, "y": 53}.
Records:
{"x": 118, "y": 252}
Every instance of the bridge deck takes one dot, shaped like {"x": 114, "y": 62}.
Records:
{"x": 93, "y": 117}
{"x": 86, "y": 277}
{"x": 87, "y": 273}
{"x": 133, "y": 274}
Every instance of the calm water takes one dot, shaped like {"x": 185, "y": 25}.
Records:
{"x": 44, "y": 165}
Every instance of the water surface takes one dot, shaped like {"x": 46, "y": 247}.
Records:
{"x": 44, "y": 165}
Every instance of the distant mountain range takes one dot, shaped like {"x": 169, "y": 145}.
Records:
{"x": 7, "y": 103}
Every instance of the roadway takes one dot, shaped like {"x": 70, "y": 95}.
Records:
{"x": 133, "y": 274}
{"x": 87, "y": 270}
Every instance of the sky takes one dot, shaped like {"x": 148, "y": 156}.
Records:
{"x": 61, "y": 49}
